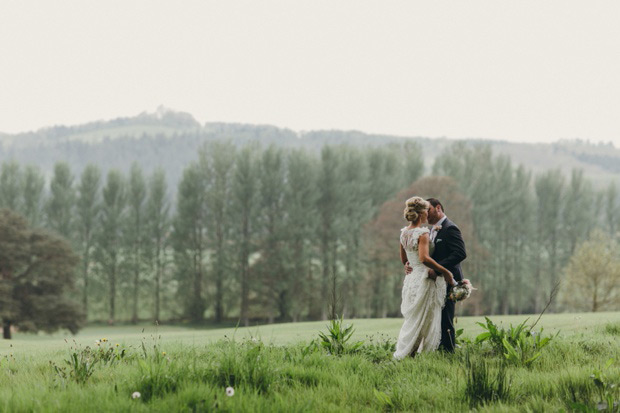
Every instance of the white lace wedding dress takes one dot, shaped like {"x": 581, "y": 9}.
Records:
{"x": 423, "y": 300}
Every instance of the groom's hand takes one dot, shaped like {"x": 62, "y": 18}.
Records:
{"x": 408, "y": 268}
{"x": 432, "y": 274}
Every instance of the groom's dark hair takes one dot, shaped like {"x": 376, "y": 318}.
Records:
{"x": 434, "y": 202}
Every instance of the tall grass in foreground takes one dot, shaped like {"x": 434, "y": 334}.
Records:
{"x": 572, "y": 373}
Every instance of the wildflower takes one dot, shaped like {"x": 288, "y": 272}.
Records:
{"x": 135, "y": 395}
{"x": 104, "y": 339}
{"x": 117, "y": 344}
{"x": 97, "y": 342}
{"x": 230, "y": 391}
{"x": 163, "y": 353}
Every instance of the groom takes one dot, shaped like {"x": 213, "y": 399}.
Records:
{"x": 449, "y": 252}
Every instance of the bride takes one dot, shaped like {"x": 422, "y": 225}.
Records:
{"x": 423, "y": 297}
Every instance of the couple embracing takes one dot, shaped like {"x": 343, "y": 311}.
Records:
{"x": 432, "y": 260}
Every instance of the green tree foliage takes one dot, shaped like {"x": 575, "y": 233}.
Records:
{"x": 34, "y": 184}
{"x": 549, "y": 190}
{"x": 300, "y": 194}
{"x": 59, "y": 208}
{"x": 244, "y": 195}
{"x": 134, "y": 233}
{"x": 577, "y": 212}
{"x": 88, "y": 207}
{"x": 36, "y": 279}
{"x": 190, "y": 242}
{"x": 328, "y": 204}
{"x": 283, "y": 233}
{"x": 10, "y": 186}
{"x": 109, "y": 246}
{"x": 157, "y": 233}
{"x": 612, "y": 210}
{"x": 216, "y": 162}
{"x": 275, "y": 290}
{"x": 593, "y": 275}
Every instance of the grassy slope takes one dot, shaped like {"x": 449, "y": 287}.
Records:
{"x": 289, "y": 333}
{"x": 195, "y": 370}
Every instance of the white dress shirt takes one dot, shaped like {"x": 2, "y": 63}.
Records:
{"x": 433, "y": 233}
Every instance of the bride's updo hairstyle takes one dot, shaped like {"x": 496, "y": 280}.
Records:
{"x": 415, "y": 206}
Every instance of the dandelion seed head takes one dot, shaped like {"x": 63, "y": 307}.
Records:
{"x": 230, "y": 391}
{"x": 135, "y": 395}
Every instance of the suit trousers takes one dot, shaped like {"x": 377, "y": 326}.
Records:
{"x": 448, "y": 335}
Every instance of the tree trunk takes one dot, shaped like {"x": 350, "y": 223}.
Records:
{"x": 112, "y": 296}
{"x": 245, "y": 254}
{"x": 314, "y": 309}
{"x": 198, "y": 310}
{"x": 6, "y": 329}
{"x": 219, "y": 281}
{"x": 136, "y": 284}
{"x": 325, "y": 280}
{"x": 85, "y": 275}
{"x": 157, "y": 281}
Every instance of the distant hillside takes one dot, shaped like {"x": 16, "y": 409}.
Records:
{"x": 171, "y": 140}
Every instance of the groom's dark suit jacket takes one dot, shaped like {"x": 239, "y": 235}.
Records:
{"x": 449, "y": 252}
{"x": 450, "y": 248}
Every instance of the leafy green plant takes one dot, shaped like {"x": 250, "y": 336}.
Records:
{"x": 337, "y": 339}
{"x": 526, "y": 349}
{"x": 460, "y": 339}
{"x": 311, "y": 348}
{"x": 518, "y": 344}
{"x": 79, "y": 366}
{"x": 494, "y": 334}
{"x": 378, "y": 350}
{"x": 106, "y": 353}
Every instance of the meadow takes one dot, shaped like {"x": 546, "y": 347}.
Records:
{"x": 289, "y": 367}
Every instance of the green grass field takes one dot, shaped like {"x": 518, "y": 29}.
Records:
{"x": 273, "y": 368}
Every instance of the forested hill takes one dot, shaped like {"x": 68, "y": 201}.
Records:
{"x": 171, "y": 140}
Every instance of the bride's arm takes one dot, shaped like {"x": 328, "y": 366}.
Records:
{"x": 403, "y": 255}
{"x": 426, "y": 259}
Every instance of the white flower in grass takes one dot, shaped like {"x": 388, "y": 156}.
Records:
{"x": 135, "y": 395}
{"x": 230, "y": 391}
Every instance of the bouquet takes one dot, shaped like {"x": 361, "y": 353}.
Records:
{"x": 462, "y": 290}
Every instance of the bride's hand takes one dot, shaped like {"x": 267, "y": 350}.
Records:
{"x": 450, "y": 279}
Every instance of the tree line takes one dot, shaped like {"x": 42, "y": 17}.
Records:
{"x": 252, "y": 232}
{"x": 287, "y": 234}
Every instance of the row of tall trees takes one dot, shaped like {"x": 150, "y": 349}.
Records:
{"x": 265, "y": 233}
{"x": 252, "y": 232}
{"x": 528, "y": 226}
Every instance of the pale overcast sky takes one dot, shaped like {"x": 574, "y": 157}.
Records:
{"x": 515, "y": 70}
